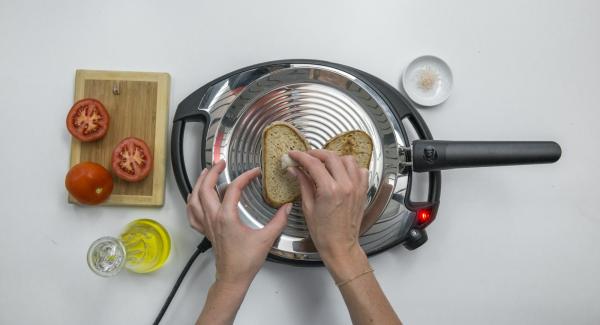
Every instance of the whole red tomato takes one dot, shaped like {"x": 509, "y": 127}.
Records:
{"x": 89, "y": 183}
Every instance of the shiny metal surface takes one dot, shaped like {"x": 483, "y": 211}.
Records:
{"x": 321, "y": 102}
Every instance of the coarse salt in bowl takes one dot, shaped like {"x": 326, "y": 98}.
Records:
{"x": 427, "y": 80}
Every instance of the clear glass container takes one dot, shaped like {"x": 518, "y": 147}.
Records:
{"x": 143, "y": 247}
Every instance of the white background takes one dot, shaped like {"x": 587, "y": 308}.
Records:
{"x": 511, "y": 245}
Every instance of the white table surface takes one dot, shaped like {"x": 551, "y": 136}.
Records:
{"x": 511, "y": 245}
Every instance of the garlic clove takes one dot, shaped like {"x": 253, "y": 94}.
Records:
{"x": 287, "y": 161}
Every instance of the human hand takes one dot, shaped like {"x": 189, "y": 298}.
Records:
{"x": 239, "y": 250}
{"x": 333, "y": 201}
{"x": 334, "y": 192}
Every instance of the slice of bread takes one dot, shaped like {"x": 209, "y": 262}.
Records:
{"x": 356, "y": 143}
{"x": 277, "y": 140}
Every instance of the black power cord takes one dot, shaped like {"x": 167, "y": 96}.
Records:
{"x": 203, "y": 247}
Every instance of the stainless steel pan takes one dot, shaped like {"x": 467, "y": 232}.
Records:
{"x": 324, "y": 99}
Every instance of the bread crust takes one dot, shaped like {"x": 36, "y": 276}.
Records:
{"x": 299, "y": 134}
{"x": 263, "y": 159}
{"x": 344, "y": 134}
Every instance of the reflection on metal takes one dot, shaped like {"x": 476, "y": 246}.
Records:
{"x": 321, "y": 102}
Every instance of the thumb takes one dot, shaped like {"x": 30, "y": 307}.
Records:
{"x": 279, "y": 221}
{"x": 307, "y": 187}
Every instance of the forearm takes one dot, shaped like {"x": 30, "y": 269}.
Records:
{"x": 222, "y": 303}
{"x": 367, "y": 302}
{"x": 364, "y": 298}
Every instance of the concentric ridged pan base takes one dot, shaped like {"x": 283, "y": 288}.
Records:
{"x": 322, "y": 103}
{"x": 318, "y": 111}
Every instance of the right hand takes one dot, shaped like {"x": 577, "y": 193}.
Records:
{"x": 333, "y": 201}
{"x": 334, "y": 192}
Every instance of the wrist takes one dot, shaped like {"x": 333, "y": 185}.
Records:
{"x": 346, "y": 264}
{"x": 222, "y": 303}
{"x": 230, "y": 289}
{"x": 232, "y": 278}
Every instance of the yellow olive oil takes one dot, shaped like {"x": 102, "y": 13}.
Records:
{"x": 147, "y": 245}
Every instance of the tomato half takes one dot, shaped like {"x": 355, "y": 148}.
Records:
{"x": 88, "y": 120}
{"x": 89, "y": 183}
{"x": 132, "y": 160}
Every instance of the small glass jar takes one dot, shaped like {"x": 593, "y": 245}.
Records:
{"x": 143, "y": 247}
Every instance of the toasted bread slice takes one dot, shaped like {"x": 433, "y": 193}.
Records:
{"x": 356, "y": 143}
{"x": 277, "y": 140}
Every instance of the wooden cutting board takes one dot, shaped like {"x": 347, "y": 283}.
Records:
{"x": 138, "y": 104}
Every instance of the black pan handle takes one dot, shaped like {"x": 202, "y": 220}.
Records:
{"x": 430, "y": 155}
{"x": 187, "y": 111}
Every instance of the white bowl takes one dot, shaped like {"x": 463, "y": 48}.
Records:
{"x": 427, "y": 80}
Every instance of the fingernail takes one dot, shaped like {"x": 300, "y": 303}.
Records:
{"x": 203, "y": 171}
{"x": 288, "y": 208}
{"x": 292, "y": 171}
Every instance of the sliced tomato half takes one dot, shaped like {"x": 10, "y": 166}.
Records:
{"x": 132, "y": 160}
{"x": 88, "y": 120}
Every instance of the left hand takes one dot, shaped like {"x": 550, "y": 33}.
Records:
{"x": 239, "y": 250}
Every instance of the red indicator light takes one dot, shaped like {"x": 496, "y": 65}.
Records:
{"x": 423, "y": 216}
